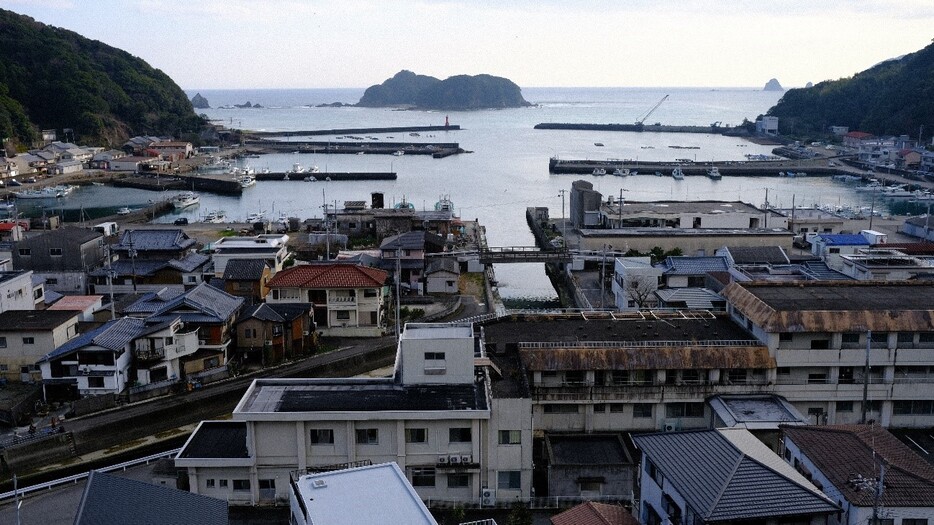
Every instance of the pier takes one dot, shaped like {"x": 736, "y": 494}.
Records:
{"x": 726, "y": 168}
{"x": 352, "y": 131}
{"x": 649, "y": 128}
{"x": 210, "y": 183}
{"x": 329, "y": 176}
{"x": 435, "y": 149}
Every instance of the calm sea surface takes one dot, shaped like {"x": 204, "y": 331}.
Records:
{"x": 507, "y": 170}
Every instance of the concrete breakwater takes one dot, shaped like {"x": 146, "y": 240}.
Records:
{"x": 377, "y": 175}
{"x": 650, "y": 128}
{"x": 435, "y": 149}
{"x": 207, "y": 183}
{"x": 726, "y": 168}
{"x": 352, "y": 131}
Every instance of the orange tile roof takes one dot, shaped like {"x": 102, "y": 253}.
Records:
{"x": 76, "y": 302}
{"x": 591, "y": 513}
{"x": 328, "y": 276}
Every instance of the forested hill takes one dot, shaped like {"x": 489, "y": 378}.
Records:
{"x": 891, "y": 98}
{"x": 51, "y": 78}
{"x": 460, "y": 92}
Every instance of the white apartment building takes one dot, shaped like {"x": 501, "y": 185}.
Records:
{"x": 267, "y": 247}
{"x": 455, "y": 433}
{"x": 634, "y": 282}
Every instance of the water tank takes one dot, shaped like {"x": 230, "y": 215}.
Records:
{"x": 377, "y": 202}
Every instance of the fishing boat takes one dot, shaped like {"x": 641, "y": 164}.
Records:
{"x": 621, "y": 172}
{"x": 599, "y": 171}
{"x": 216, "y": 216}
{"x": 398, "y": 153}
{"x": 183, "y": 200}
{"x": 124, "y": 211}
{"x": 297, "y": 168}
{"x": 713, "y": 172}
{"x": 256, "y": 217}
{"x": 444, "y": 204}
{"x": 677, "y": 173}
{"x": 246, "y": 181}
{"x": 404, "y": 205}
{"x": 44, "y": 193}
{"x": 310, "y": 179}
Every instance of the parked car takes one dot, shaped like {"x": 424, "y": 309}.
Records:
{"x": 181, "y": 220}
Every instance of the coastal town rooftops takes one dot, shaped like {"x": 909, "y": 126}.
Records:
{"x": 687, "y": 265}
{"x": 414, "y": 240}
{"x": 729, "y": 475}
{"x": 112, "y": 336}
{"x": 77, "y": 302}
{"x": 328, "y": 276}
{"x": 755, "y": 255}
{"x": 340, "y": 398}
{"x": 843, "y": 239}
{"x": 153, "y": 240}
{"x": 590, "y": 513}
{"x": 437, "y": 331}
{"x": 245, "y": 269}
{"x": 26, "y": 320}
{"x": 843, "y": 453}
{"x": 835, "y": 306}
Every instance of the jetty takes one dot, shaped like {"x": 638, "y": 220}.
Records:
{"x": 726, "y": 168}
{"x": 352, "y": 131}
{"x": 648, "y": 128}
{"x": 435, "y": 149}
{"x": 327, "y": 176}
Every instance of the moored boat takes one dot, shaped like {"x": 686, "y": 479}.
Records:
{"x": 714, "y": 173}
{"x": 621, "y": 172}
{"x": 183, "y": 200}
{"x": 599, "y": 171}
{"x": 677, "y": 173}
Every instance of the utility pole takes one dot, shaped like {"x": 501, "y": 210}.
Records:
{"x": 564, "y": 226}
{"x": 866, "y": 376}
{"x": 398, "y": 292}
{"x": 603, "y": 276}
{"x": 132, "y": 253}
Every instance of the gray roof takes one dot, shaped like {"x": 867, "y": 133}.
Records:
{"x": 27, "y": 320}
{"x": 442, "y": 264}
{"x": 276, "y": 312}
{"x": 728, "y": 475}
{"x": 414, "y": 240}
{"x": 691, "y": 298}
{"x": 112, "y": 335}
{"x": 586, "y": 449}
{"x": 211, "y": 304}
{"x": 694, "y": 265}
{"x": 110, "y": 499}
{"x": 217, "y": 439}
{"x": 189, "y": 263}
{"x": 756, "y": 255}
{"x": 244, "y": 269}
{"x": 64, "y": 236}
{"x": 154, "y": 240}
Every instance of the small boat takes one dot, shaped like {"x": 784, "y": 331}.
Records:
{"x": 677, "y": 173}
{"x": 599, "y": 171}
{"x": 359, "y": 153}
{"x": 790, "y": 174}
{"x": 183, "y": 200}
{"x": 310, "y": 179}
{"x": 123, "y": 211}
{"x": 714, "y": 173}
{"x": 658, "y": 174}
{"x": 97, "y": 183}
{"x": 216, "y": 216}
{"x": 44, "y": 193}
{"x": 14, "y": 182}
{"x": 256, "y": 217}
{"x": 598, "y": 144}
{"x": 314, "y": 169}
{"x": 398, "y": 153}
{"x": 246, "y": 181}
{"x": 621, "y": 172}
{"x": 297, "y": 168}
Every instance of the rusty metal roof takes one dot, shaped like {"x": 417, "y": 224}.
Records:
{"x": 840, "y": 306}
{"x": 677, "y": 355}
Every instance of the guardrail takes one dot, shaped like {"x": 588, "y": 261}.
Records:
{"x": 49, "y": 485}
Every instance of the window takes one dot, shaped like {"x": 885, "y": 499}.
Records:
{"x": 509, "y": 479}
{"x": 367, "y": 436}
{"x": 926, "y": 337}
{"x": 209, "y": 483}
{"x": 617, "y": 407}
{"x": 51, "y": 281}
{"x": 906, "y": 337}
{"x": 879, "y": 337}
{"x": 684, "y": 410}
{"x": 737, "y": 376}
{"x": 914, "y": 521}
{"x": 95, "y": 382}
{"x": 642, "y": 410}
{"x": 845, "y": 376}
{"x": 423, "y": 477}
{"x": 267, "y": 484}
{"x": 434, "y": 356}
{"x": 560, "y": 409}
{"x": 459, "y": 435}
{"x": 416, "y": 435}
{"x": 874, "y": 406}
{"x": 29, "y": 341}
{"x": 223, "y": 483}
{"x": 55, "y": 252}
{"x": 25, "y": 252}
{"x": 820, "y": 344}
{"x": 574, "y": 377}
{"x": 786, "y": 336}
{"x": 369, "y": 292}
{"x": 850, "y": 338}
{"x": 833, "y": 250}
{"x": 458, "y": 481}
{"x": 275, "y": 295}
{"x": 691, "y": 377}
{"x": 343, "y": 315}
{"x": 241, "y": 485}
{"x": 510, "y": 437}
{"x": 915, "y": 407}
{"x": 654, "y": 473}
{"x": 844, "y": 406}
{"x": 783, "y": 371}
{"x": 817, "y": 379}
{"x": 599, "y": 408}
{"x": 3, "y": 342}
{"x": 322, "y": 436}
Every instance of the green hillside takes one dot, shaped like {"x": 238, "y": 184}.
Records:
{"x": 51, "y": 78}
{"x": 891, "y": 98}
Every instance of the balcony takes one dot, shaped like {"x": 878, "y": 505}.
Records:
{"x": 150, "y": 354}
{"x": 342, "y": 300}
{"x": 637, "y": 392}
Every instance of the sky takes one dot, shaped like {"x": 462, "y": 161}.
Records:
{"x": 239, "y": 44}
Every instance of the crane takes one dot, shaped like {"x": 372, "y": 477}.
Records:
{"x": 649, "y": 112}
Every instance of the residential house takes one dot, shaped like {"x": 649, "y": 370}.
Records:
{"x": 247, "y": 278}
{"x": 813, "y": 220}
{"x": 134, "y": 164}
{"x": 156, "y": 244}
{"x": 162, "y": 351}
{"x": 908, "y": 159}
{"x": 921, "y": 227}
{"x": 407, "y": 251}
{"x": 927, "y": 161}
{"x": 767, "y": 125}
{"x": 27, "y": 335}
{"x": 148, "y": 260}
{"x": 349, "y": 300}
{"x": 866, "y": 470}
{"x": 109, "y": 498}
{"x": 820, "y": 334}
{"x": 884, "y": 264}
{"x": 102, "y": 160}
{"x": 365, "y": 494}
{"x": 829, "y": 247}
{"x": 754, "y": 255}
{"x": 441, "y": 418}
{"x": 635, "y": 280}
{"x": 84, "y": 305}
{"x": 690, "y": 272}
{"x": 173, "y": 150}
{"x": 17, "y": 291}
{"x": 65, "y": 167}
{"x": 269, "y": 333}
{"x": 63, "y": 257}
{"x": 139, "y": 144}
{"x": 723, "y": 476}
{"x": 442, "y": 275}
{"x": 854, "y": 139}
{"x": 590, "y": 466}
{"x": 270, "y": 248}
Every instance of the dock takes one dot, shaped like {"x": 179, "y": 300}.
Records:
{"x": 328, "y": 176}
{"x": 435, "y": 149}
{"x": 352, "y": 131}
{"x": 639, "y": 128}
{"x": 223, "y": 184}
{"x": 726, "y": 168}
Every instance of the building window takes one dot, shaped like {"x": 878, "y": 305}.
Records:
{"x": 510, "y": 437}
{"x": 51, "y": 281}
{"x": 560, "y": 409}
{"x": 423, "y": 477}
{"x": 913, "y": 407}
{"x": 820, "y": 344}
{"x": 616, "y": 408}
{"x": 367, "y": 436}
{"x": 844, "y": 406}
{"x": 458, "y": 480}
{"x": 641, "y": 410}
{"x": 926, "y": 337}
{"x": 4, "y": 368}
{"x": 509, "y": 479}
{"x": 850, "y": 338}
{"x": 817, "y": 379}
{"x": 914, "y": 521}
{"x": 574, "y": 377}
{"x": 2, "y": 341}
{"x": 343, "y": 315}
{"x": 209, "y": 483}
{"x": 223, "y": 483}
{"x": 25, "y": 252}
{"x": 55, "y": 252}
{"x": 95, "y": 382}
{"x": 369, "y": 292}
{"x": 459, "y": 435}
{"x": 241, "y": 485}
{"x": 783, "y": 371}
{"x": 654, "y": 473}
{"x": 684, "y": 410}
{"x": 322, "y": 436}
{"x": 416, "y": 435}
{"x": 434, "y": 356}
{"x": 906, "y": 337}
{"x": 786, "y": 336}
{"x": 599, "y": 408}
{"x": 267, "y": 484}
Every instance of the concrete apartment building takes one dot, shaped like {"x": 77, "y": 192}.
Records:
{"x": 62, "y": 257}
{"x": 270, "y": 248}
{"x": 457, "y": 431}
{"x": 27, "y": 335}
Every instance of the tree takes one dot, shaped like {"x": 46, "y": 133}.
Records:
{"x": 519, "y": 515}
{"x": 639, "y": 288}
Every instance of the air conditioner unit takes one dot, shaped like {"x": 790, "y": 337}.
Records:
{"x": 670, "y": 427}
{"x": 443, "y": 460}
{"x": 305, "y": 333}
{"x": 319, "y": 483}
{"x": 467, "y": 459}
{"x": 454, "y": 460}
{"x": 202, "y": 342}
{"x": 268, "y": 342}
{"x": 487, "y": 498}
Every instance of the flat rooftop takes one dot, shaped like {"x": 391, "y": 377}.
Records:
{"x": 682, "y": 207}
{"x": 217, "y": 439}
{"x": 587, "y": 449}
{"x": 755, "y": 412}
{"x": 437, "y": 331}
{"x": 358, "y": 395}
{"x": 844, "y": 295}
{"x": 683, "y": 232}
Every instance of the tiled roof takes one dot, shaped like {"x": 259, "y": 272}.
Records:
{"x": 414, "y": 240}
{"x": 757, "y": 255}
{"x": 190, "y": 263}
{"x": 25, "y": 320}
{"x": 244, "y": 269}
{"x": 692, "y": 298}
{"x": 694, "y": 265}
{"x": 328, "y": 276}
{"x": 442, "y": 264}
{"x": 844, "y": 452}
{"x": 591, "y": 513}
{"x": 275, "y": 312}
{"x": 154, "y": 240}
{"x": 112, "y": 335}
{"x": 728, "y": 475}
{"x": 144, "y": 503}
{"x": 77, "y": 302}
{"x": 844, "y": 239}
{"x": 209, "y": 301}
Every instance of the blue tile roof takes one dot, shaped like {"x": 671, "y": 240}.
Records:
{"x": 112, "y": 335}
{"x": 209, "y": 305}
{"x": 843, "y": 239}
{"x": 190, "y": 263}
{"x": 694, "y": 265}
{"x": 154, "y": 240}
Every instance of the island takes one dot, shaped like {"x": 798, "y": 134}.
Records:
{"x": 199, "y": 102}
{"x": 773, "y": 85}
{"x": 460, "y": 92}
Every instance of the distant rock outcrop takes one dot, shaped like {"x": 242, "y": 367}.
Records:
{"x": 773, "y": 85}
{"x": 809, "y": 85}
{"x": 461, "y": 92}
{"x": 199, "y": 102}
{"x": 247, "y": 105}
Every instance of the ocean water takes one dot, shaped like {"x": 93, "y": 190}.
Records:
{"x": 507, "y": 169}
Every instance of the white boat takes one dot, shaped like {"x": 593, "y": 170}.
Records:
{"x": 297, "y": 168}
{"x": 398, "y": 153}
{"x": 714, "y": 173}
{"x": 621, "y": 172}
{"x": 246, "y": 181}
{"x": 677, "y": 173}
{"x": 256, "y": 217}
{"x": 310, "y": 179}
{"x": 183, "y": 200}
{"x": 44, "y": 193}
{"x": 215, "y": 164}
{"x": 314, "y": 169}
{"x": 216, "y": 216}
{"x": 123, "y": 211}
{"x": 599, "y": 171}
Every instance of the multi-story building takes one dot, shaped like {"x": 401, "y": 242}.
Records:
{"x": 62, "y": 257}
{"x": 820, "y": 336}
{"x": 27, "y": 335}
{"x": 270, "y": 248}
{"x": 456, "y": 434}
{"x": 17, "y": 291}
